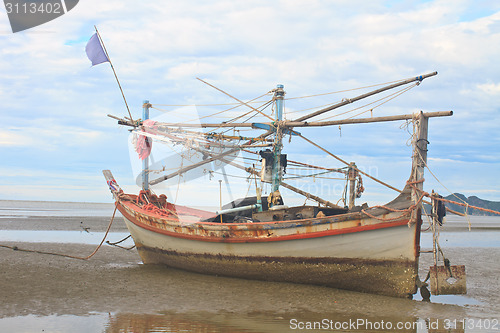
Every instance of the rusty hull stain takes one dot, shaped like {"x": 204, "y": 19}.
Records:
{"x": 251, "y": 231}
{"x": 395, "y": 277}
{"x": 385, "y": 277}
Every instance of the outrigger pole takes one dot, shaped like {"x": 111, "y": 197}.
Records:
{"x": 301, "y": 119}
{"x": 317, "y": 123}
{"x": 301, "y": 122}
{"x": 214, "y": 157}
{"x": 337, "y": 122}
{"x": 355, "y": 99}
{"x": 285, "y": 185}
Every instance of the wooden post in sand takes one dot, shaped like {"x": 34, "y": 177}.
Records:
{"x": 352, "y": 174}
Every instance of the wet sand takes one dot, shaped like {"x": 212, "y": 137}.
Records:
{"x": 114, "y": 287}
{"x": 114, "y": 281}
{"x": 73, "y": 223}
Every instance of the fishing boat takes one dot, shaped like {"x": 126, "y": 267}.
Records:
{"x": 342, "y": 245}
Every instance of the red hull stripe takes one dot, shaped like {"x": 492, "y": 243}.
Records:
{"x": 235, "y": 239}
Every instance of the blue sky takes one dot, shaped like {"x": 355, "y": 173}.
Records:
{"x": 56, "y": 137}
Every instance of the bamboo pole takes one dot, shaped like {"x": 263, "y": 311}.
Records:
{"x": 318, "y": 123}
{"x": 343, "y": 161}
{"x": 359, "y": 121}
{"x": 269, "y": 132}
{"x": 192, "y": 166}
{"x": 357, "y": 98}
{"x": 253, "y": 172}
{"x": 114, "y": 72}
{"x": 366, "y": 120}
{"x": 285, "y": 185}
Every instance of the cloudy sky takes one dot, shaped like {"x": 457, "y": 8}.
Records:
{"x": 56, "y": 137}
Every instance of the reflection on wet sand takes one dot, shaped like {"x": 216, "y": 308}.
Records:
{"x": 113, "y": 292}
{"x": 114, "y": 282}
{"x": 169, "y": 322}
{"x": 236, "y": 323}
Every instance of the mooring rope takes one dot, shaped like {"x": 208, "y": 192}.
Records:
{"x": 404, "y": 212}
{"x": 15, "y": 248}
{"x": 468, "y": 206}
{"x": 426, "y": 194}
{"x": 120, "y": 241}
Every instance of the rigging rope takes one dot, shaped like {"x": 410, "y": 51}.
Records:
{"x": 395, "y": 94}
{"x": 216, "y": 104}
{"x": 433, "y": 175}
{"x": 426, "y": 194}
{"x": 241, "y": 103}
{"x": 341, "y": 91}
{"x": 392, "y": 95}
{"x": 263, "y": 107}
{"x": 341, "y": 160}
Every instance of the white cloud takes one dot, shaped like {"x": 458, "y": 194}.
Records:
{"x": 52, "y": 100}
{"x": 50, "y": 137}
{"x": 490, "y": 88}
{"x": 12, "y": 139}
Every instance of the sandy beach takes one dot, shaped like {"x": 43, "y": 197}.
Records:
{"x": 114, "y": 291}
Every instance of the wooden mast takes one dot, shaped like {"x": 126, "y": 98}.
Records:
{"x": 276, "y": 171}
{"x": 351, "y": 176}
{"x": 419, "y": 160}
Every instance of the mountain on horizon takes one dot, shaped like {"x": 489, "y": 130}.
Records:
{"x": 472, "y": 201}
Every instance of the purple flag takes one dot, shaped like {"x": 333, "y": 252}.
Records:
{"x": 95, "y": 52}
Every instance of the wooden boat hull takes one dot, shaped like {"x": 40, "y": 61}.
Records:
{"x": 349, "y": 251}
{"x": 374, "y": 250}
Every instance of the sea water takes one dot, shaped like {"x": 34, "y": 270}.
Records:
{"x": 142, "y": 298}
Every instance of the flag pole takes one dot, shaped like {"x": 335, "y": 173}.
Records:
{"x": 114, "y": 72}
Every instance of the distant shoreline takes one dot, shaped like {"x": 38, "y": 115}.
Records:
{"x": 56, "y": 201}
{"x": 4, "y": 203}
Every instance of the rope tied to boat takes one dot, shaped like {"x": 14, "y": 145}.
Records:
{"x": 465, "y": 204}
{"x": 405, "y": 212}
{"x": 153, "y": 204}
